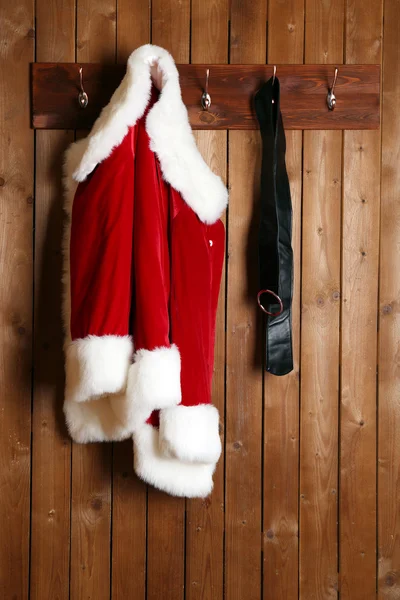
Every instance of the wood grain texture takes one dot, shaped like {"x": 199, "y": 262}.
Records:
{"x": 166, "y": 514}
{"x": 209, "y": 32}
{"x": 170, "y": 27}
{"x": 92, "y": 463}
{"x": 285, "y": 33}
{"x": 129, "y": 497}
{"x": 96, "y": 31}
{"x": 16, "y": 220}
{"x": 360, "y": 251}
{"x": 133, "y": 26}
{"x": 115, "y": 549}
{"x": 321, "y": 278}
{"x": 358, "y": 355}
{"x": 165, "y": 546}
{"x": 389, "y": 319}
{"x": 129, "y": 506}
{"x": 243, "y": 447}
{"x": 51, "y": 448}
{"x": 232, "y": 87}
{"x": 243, "y": 433}
{"x": 320, "y": 365}
{"x": 90, "y": 526}
{"x": 204, "y": 548}
{"x": 281, "y": 394}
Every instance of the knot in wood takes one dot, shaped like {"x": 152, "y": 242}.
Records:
{"x": 390, "y": 578}
{"x": 96, "y": 503}
{"x": 387, "y": 309}
{"x": 207, "y": 117}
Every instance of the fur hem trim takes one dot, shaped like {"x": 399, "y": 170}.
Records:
{"x": 190, "y": 433}
{"x": 96, "y": 365}
{"x": 167, "y": 125}
{"x": 169, "y": 474}
{"x": 95, "y": 421}
{"x": 154, "y": 382}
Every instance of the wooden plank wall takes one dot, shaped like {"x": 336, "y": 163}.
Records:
{"x": 306, "y": 500}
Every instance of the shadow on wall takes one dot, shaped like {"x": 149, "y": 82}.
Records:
{"x": 252, "y": 262}
{"x": 48, "y": 359}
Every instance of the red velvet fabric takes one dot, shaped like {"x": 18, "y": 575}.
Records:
{"x": 143, "y": 263}
{"x": 101, "y": 246}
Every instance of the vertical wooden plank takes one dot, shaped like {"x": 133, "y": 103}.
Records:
{"x": 96, "y": 33}
{"x": 51, "y": 447}
{"x": 389, "y": 317}
{"x": 205, "y": 519}
{"x": 321, "y": 258}
{"x": 320, "y": 360}
{"x": 129, "y": 505}
{"x": 133, "y": 26}
{"x": 243, "y": 483}
{"x": 129, "y": 501}
{"x": 16, "y": 218}
{"x": 170, "y": 27}
{"x": 360, "y": 248}
{"x": 281, "y": 394}
{"x": 91, "y": 463}
{"x": 243, "y": 495}
{"x": 90, "y": 521}
{"x": 166, "y": 514}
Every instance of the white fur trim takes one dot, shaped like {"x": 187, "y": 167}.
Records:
{"x": 175, "y": 477}
{"x": 190, "y": 433}
{"x": 95, "y": 421}
{"x": 95, "y": 366}
{"x": 167, "y": 124}
{"x": 96, "y": 370}
{"x": 153, "y": 383}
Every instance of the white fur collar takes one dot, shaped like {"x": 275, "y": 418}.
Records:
{"x": 167, "y": 124}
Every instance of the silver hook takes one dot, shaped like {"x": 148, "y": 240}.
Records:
{"x": 83, "y": 98}
{"x": 206, "y": 98}
{"x": 331, "y": 98}
{"x": 273, "y": 81}
{"x": 274, "y": 75}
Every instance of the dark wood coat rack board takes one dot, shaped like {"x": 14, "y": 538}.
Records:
{"x": 304, "y": 88}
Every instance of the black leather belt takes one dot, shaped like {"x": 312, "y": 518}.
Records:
{"x": 275, "y": 249}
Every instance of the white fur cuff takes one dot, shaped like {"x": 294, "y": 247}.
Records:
{"x": 170, "y": 475}
{"x": 96, "y": 365}
{"x": 154, "y": 382}
{"x": 190, "y": 433}
{"x": 157, "y": 379}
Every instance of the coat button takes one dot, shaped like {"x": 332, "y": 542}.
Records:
{"x": 210, "y": 242}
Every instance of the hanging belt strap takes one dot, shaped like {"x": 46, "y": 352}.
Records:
{"x": 275, "y": 250}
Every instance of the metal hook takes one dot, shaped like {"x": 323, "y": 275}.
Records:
{"x": 83, "y": 98}
{"x": 331, "y": 98}
{"x": 206, "y": 98}
{"x": 273, "y": 81}
{"x": 274, "y": 75}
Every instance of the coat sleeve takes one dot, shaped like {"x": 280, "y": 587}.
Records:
{"x": 154, "y": 379}
{"x": 98, "y": 279}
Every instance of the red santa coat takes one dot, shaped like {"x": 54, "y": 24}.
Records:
{"x": 144, "y": 248}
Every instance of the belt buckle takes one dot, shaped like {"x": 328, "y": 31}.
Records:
{"x": 275, "y": 314}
